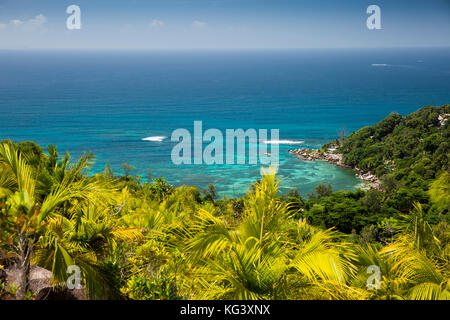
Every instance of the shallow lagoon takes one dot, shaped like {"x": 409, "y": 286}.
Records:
{"x": 107, "y": 102}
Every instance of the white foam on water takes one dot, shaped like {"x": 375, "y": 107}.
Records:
{"x": 154, "y": 138}
{"x": 287, "y": 142}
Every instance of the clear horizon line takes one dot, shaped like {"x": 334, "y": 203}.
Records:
{"x": 227, "y": 49}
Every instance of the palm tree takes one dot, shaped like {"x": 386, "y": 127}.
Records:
{"x": 267, "y": 254}
{"x": 419, "y": 259}
{"x": 413, "y": 266}
{"x": 51, "y": 220}
{"x": 85, "y": 239}
{"x": 439, "y": 191}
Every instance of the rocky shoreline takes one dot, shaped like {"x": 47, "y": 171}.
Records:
{"x": 337, "y": 159}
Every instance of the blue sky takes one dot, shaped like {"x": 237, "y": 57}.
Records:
{"x": 222, "y": 24}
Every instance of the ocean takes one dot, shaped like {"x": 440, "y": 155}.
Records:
{"x": 109, "y": 101}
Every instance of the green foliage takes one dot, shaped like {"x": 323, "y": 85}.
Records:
{"x": 153, "y": 273}
{"x": 345, "y": 210}
{"x": 413, "y": 147}
{"x": 439, "y": 192}
{"x": 410, "y": 156}
{"x": 151, "y": 241}
{"x": 56, "y": 218}
{"x": 155, "y": 288}
{"x": 210, "y": 193}
{"x": 323, "y": 191}
{"x": 127, "y": 169}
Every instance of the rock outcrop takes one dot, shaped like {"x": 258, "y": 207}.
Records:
{"x": 41, "y": 285}
{"x": 337, "y": 159}
{"x": 310, "y": 155}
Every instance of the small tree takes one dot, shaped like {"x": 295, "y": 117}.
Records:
{"x": 342, "y": 134}
{"x": 323, "y": 191}
{"x": 210, "y": 193}
{"x": 127, "y": 169}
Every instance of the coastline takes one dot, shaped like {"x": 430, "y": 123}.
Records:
{"x": 337, "y": 159}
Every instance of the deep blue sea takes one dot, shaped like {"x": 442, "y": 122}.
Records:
{"x": 107, "y": 102}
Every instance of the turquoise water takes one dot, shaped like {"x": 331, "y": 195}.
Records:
{"x": 107, "y": 102}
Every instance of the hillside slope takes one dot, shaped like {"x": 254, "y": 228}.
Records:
{"x": 413, "y": 147}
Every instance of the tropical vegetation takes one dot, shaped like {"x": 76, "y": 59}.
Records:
{"x": 147, "y": 240}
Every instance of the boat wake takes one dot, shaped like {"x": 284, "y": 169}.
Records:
{"x": 154, "y": 138}
{"x": 286, "y": 142}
